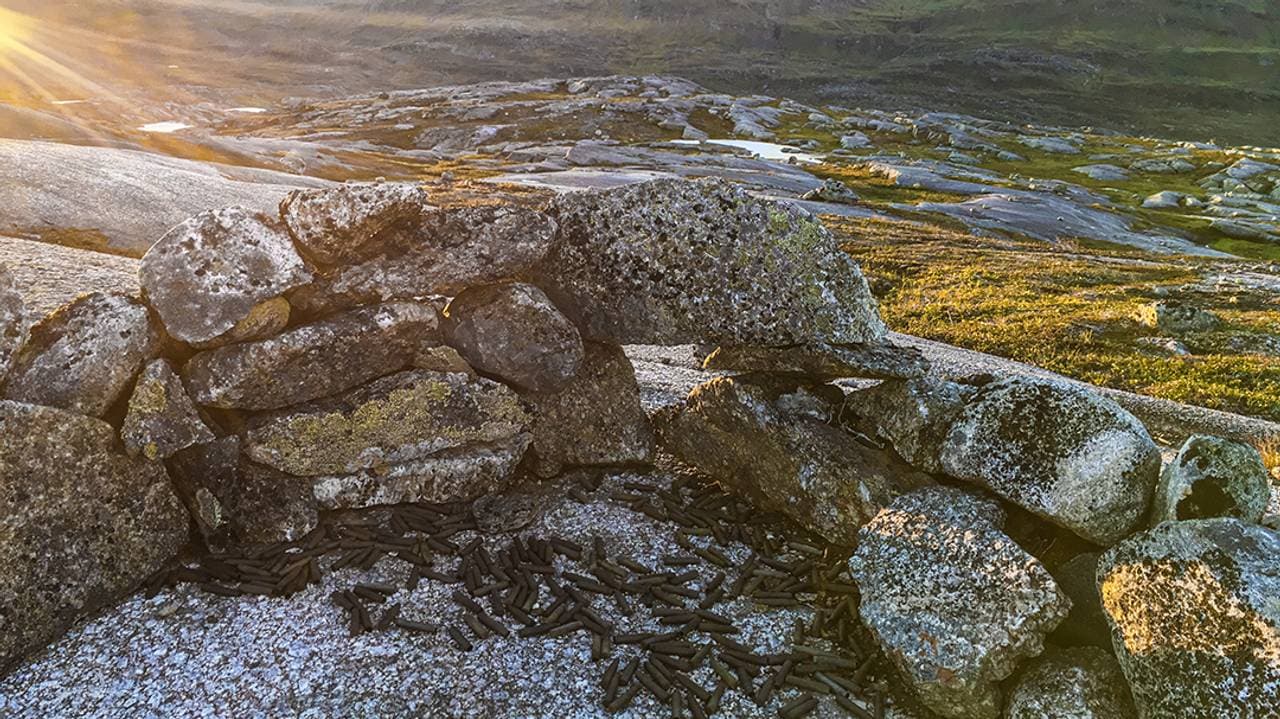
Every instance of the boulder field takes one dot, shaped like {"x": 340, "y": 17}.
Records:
{"x": 364, "y": 375}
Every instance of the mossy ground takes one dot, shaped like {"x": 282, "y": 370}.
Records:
{"x": 1070, "y": 312}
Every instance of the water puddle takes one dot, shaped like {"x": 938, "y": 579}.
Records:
{"x": 248, "y": 110}
{"x": 165, "y": 127}
{"x": 763, "y": 150}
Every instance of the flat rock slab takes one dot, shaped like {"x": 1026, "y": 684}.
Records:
{"x": 397, "y": 419}
{"x": 85, "y": 355}
{"x": 208, "y": 273}
{"x": 13, "y": 320}
{"x": 827, "y": 362}
{"x": 82, "y": 526}
{"x": 315, "y": 360}
{"x": 50, "y": 276}
{"x": 675, "y": 262}
{"x": 953, "y": 601}
{"x": 295, "y": 656}
{"x": 1194, "y": 618}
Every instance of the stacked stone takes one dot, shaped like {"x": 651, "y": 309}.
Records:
{"x": 363, "y": 347}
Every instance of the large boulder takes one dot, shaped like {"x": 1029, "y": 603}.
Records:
{"x": 822, "y": 361}
{"x": 393, "y": 420}
{"x": 161, "y": 419}
{"x": 13, "y": 321}
{"x": 334, "y": 225}
{"x": 209, "y": 273}
{"x": 597, "y": 420}
{"x": 80, "y": 525}
{"x": 1059, "y": 450}
{"x": 1195, "y": 618}
{"x": 1212, "y": 477}
{"x": 1080, "y": 683}
{"x": 913, "y": 416}
{"x": 954, "y": 602}
{"x": 447, "y": 251}
{"x": 513, "y": 332}
{"x": 778, "y": 442}
{"x": 85, "y": 355}
{"x": 315, "y": 360}
{"x": 680, "y": 262}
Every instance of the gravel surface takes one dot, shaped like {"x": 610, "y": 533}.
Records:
{"x": 186, "y": 653}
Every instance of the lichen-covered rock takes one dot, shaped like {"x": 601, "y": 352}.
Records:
{"x": 266, "y": 319}
{"x": 1195, "y": 618}
{"x": 913, "y": 416}
{"x": 208, "y": 274}
{"x": 821, "y": 361}
{"x": 80, "y": 525}
{"x": 448, "y": 251}
{"x": 315, "y": 360}
{"x": 953, "y": 601}
{"x": 13, "y": 321}
{"x": 203, "y": 477}
{"x": 776, "y": 441}
{"x": 449, "y": 476}
{"x": 513, "y": 332}
{"x": 1212, "y": 477}
{"x": 1080, "y": 683}
{"x": 1177, "y": 317}
{"x": 393, "y": 420}
{"x": 597, "y": 420}
{"x": 266, "y": 506}
{"x": 161, "y": 419}
{"x": 84, "y": 356}
{"x": 335, "y": 225}
{"x": 686, "y": 262}
{"x": 442, "y": 358}
{"x": 1060, "y": 451}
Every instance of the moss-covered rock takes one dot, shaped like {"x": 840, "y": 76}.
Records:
{"x": 393, "y": 420}
{"x": 85, "y": 355}
{"x": 1212, "y": 477}
{"x": 1195, "y": 618}
{"x": 776, "y": 441}
{"x": 161, "y": 418}
{"x": 679, "y": 262}
{"x": 81, "y": 526}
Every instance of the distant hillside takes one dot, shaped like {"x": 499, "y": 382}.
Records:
{"x": 1195, "y": 69}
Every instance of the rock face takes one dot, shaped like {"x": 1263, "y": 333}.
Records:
{"x": 82, "y": 526}
{"x": 1062, "y": 452}
{"x": 451, "y": 475}
{"x": 267, "y": 506}
{"x": 332, "y": 226}
{"x": 1082, "y": 683}
{"x": 774, "y": 441}
{"x": 266, "y": 319}
{"x": 162, "y": 418}
{"x": 204, "y": 476}
{"x": 393, "y": 420}
{"x": 13, "y": 321}
{"x": 1195, "y": 620}
{"x": 597, "y": 420}
{"x": 1212, "y": 477}
{"x": 315, "y": 360}
{"x": 953, "y": 601}
{"x": 875, "y": 361}
{"x": 913, "y": 416}
{"x": 448, "y": 251}
{"x": 513, "y": 332}
{"x": 208, "y": 274}
{"x": 678, "y": 262}
{"x": 84, "y": 356}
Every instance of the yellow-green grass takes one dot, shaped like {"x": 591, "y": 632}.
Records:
{"x": 1069, "y": 312}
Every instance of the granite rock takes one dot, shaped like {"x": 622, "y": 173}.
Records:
{"x": 335, "y": 225}
{"x": 824, "y": 362}
{"x": 1080, "y": 683}
{"x": 13, "y": 321}
{"x": 161, "y": 419}
{"x": 1212, "y": 477}
{"x": 913, "y": 416}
